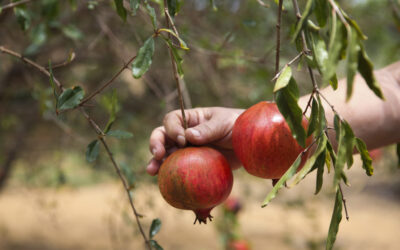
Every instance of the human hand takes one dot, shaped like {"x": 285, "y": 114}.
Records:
{"x": 206, "y": 126}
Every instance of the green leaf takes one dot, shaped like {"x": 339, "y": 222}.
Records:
{"x": 332, "y": 153}
{"x": 143, "y": 60}
{"x": 113, "y": 106}
{"x": 334, "y": 82}
{"x": 307, "y": 12}
{"x": 345, "y": 149}
{"x": 288, "y": 174}
{"x": 53, "y": 85}
{"x": 92, "y": 151}
{"x": 352, "y": 61}
{"x": 178, "y": 59}
{"x": 321, "y": 117}
{"x": 311, "y": 161}
{"x": 366, "y": 70}
{"x": 214, "y": 6}
{"x": 182, "y": 43}
{"x": 152, "y": 14}
{"x": 120, "y": 134}
{"x": 354, "y": 25}
{"x": 335, "y": 221}
{"x": 70, "y": 98}
{"x": 24, "y": 17}
{"x": 350, "y": 141}
{"x": 174, "y": 6}
{"x": 321, "y": 11}
{"x": 286, "y": 99}
{"x": 320, "y": 164}
{"x": 398, "y": 154}
{"x": 119, "y": 4}
{"x": 134, "y": 4}
{"x": 154, "y": 244}
{"x": 154, "y": 228}
{"x": 337, "y": 45}
{"x": 313, "y": 118}
{"x": 72, "y": 32}
{"x": 283, "y": 79}
{"x": 365, "y": 157}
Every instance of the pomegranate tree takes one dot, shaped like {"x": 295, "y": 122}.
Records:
{"x": 195, "y": 178}
{"x": 263, "y": 142}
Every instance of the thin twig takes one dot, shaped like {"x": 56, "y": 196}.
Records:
{"x": 169, "y": 22}
{"x": 14, "y": 4}
{"x": 31, "y": 63}
{"x": 105, "y": 85}
{"x": 98, "y": 131}
{"x": 278, "y": 37}
{"x": 287, "y": 65}
{"x": 263, "y": 4}
{"x": 71, "y": 57}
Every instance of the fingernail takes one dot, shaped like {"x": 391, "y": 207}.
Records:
{"x": 195, "y": 132}
{"x": 154, "y": 151}
{"x": 181, "y": 140}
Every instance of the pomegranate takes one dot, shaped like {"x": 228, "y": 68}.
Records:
{"x": 263, "y": 142}
{"x": 195, "y": 178}
{"x": 233, "y": 205}
{"x": 238, "y": 245}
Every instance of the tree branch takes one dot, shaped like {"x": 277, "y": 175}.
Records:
{"x": 278, "y": 36}
{"x": 14, "y": 4}
{"x": 97, "y": 129}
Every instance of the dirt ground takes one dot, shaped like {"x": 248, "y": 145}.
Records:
{"x": 98, "y": 217}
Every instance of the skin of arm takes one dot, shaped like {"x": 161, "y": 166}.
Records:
{"x": 375, "y": 121}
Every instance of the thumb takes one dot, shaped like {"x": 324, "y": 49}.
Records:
{"x": 209, "y": 131}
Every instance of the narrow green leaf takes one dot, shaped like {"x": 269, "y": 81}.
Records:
{"x": 70, "y": 98}
{"x": 321, "y": 12}
{"x": 286, "y": 100}
{"x": 334, "y": 82}
{"x": 143, "y": 60}
{"x": 320, "y": 164}
{"x": 120, "y": 134}
{"x": 345, "y": 179}
{"x": 335, "y": 221}
{"x": 313, "y": 118}
{"x": 307, "y": 12}
{"x": 72, "y": 32}
{"x": 174, "y": 7}
{"x": 288, "y": 174}
{"x": 352, "y": 60}
{"x": 155, "y": 245}
{"x": 24, "y": 17}
{"x": 92, "y": 151}
{"x": 366, "y": 70}
{"x": 152, "y": 13}
{"x": 283, "y": 79}
{"x": 350, "y": 141}
{"x": 398, "y": 154}
{"x": 119, "y": 4}
{"x": 365, "y": 157}
{"x": 354, "y": 25}
{"x": 214, "y": 6}
{"x": 337, "y": 125}
{"x": 332, "y": 153}
{"x": 345, "y": 150}
{"x": 337, "y": 45}
{"x": 321, "y": 117}
{"x": 320, "y": 52}
{"x": 53, "y": 85}
{"x": 311, "y": 161}
{"x": 154, "y": 228}
{"x": 134, "y": 4}
{"x": 113, "y": 111}
{"x": 178, "y": 59}
{"x": 182, "y": 43}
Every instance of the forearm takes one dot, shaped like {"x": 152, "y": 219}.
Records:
{"x": 375, "y": 121}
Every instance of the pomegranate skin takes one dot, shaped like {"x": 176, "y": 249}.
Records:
{"x": 195, "y": 178}
{"x": 263, "y": 142}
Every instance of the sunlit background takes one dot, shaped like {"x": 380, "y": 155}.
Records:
{"x": 52, "y": 198}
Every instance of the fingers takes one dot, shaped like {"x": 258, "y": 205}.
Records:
{"x": 152, "y": 167}
{"x": 173, "y": 124}
{"x": 158, "y": 141}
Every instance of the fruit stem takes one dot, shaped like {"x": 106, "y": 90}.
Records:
{"x": 202, "y": 215}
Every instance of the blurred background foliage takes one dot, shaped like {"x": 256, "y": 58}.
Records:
{"x": 230, "y": 63}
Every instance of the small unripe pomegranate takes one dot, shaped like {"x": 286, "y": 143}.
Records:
{"x": 195, "y": 178}
{"x": 233, "y": 205}
{"x": 238, "y": 245}
{"x": 263, "y": 142}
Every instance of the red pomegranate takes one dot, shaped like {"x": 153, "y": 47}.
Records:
{"x": 195, "y": 178}
{"x": 263, "y": 142}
